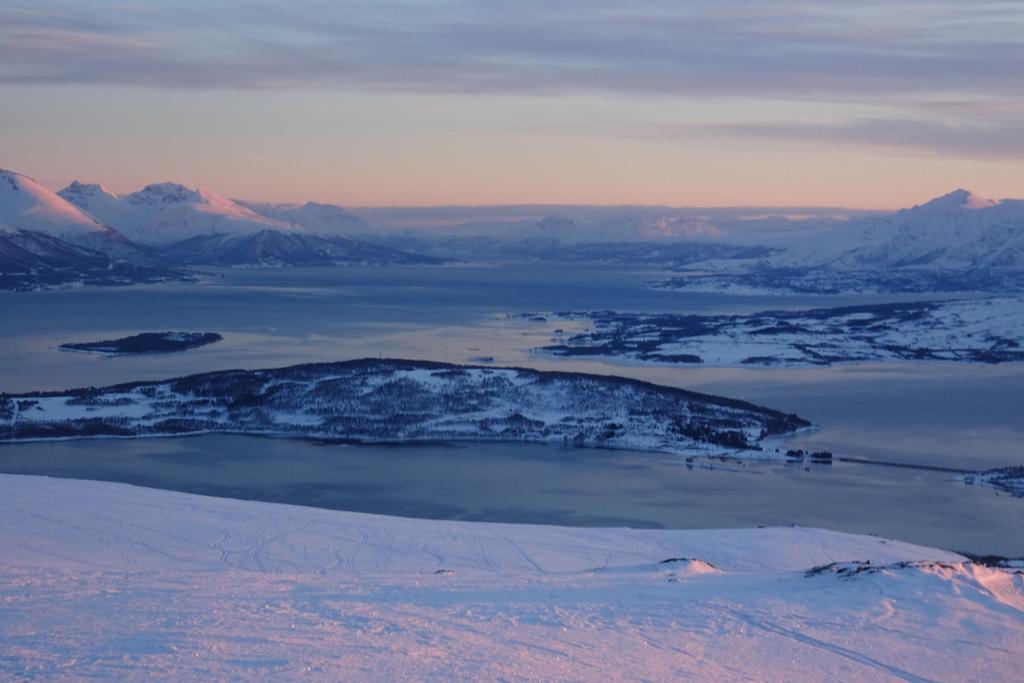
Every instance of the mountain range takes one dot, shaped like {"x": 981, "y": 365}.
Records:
{"x": 88, "y": 234}
{"x": 164, "y": 213}
{"x": 46, "y": 241}
{"x": 199, "y": 227}
{"x": 85, "y": 230}
{"x": 957, "y": 231}
{"x": 168, "y": 212}
{"x": 27, "y": 205}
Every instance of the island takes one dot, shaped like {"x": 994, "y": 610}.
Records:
{"x": 400, "y": 401}
{"x": 147, "y": 342}
{"x": 972, "y": 330}
{"x": 1007, "y": 479}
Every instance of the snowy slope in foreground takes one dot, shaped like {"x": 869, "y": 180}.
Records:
{"x": 108, "y": 581}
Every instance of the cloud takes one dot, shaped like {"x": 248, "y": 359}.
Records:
{"x": 787, "y": 49}
{"x": 995, "y": 140}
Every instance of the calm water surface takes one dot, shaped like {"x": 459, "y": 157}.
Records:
{"x": 548, "y": 485}
{"x": 931, "y": 414}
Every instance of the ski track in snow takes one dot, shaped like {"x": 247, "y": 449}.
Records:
{"x": 113, "y": 581}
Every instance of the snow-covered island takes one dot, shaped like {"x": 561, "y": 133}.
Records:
{"x": 113, "y": 582}
{"x": 373, "y": 400}
{"x": 973, "y": 330}
{"x": 1008, "y": 479}
{"x": 145, "y": 342}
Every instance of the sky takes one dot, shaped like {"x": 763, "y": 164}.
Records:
{"x": 864, "y": 104}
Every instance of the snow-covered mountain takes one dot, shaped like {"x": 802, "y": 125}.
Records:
{"x": 27, "y": 205}
{"x": 168, "y": 212}
{"x": 199, "y": 227}
{"x": 956, "y": 231}
{"x": 959, "y": 232}
{"x": 163, "y": 213}
{"x": 22, "y": 251}
{"x": 322, "y": 219}
{"x": 102, "y": 204}
{"x": 279, "y": 248}
{"x": 30, "y": 259}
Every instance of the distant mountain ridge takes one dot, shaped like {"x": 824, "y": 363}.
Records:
{"x": 322, "y": 219}
{"x": 959, "y": 230}
{"x": 278, "y": 248}
{"x": 956, "y": 230}
{"x": 166, "y": 225}
{"x": 199, "y": 227}
{"x": 46, "y": 241}
{"x": 86, "y": 234}
{"x": 30, "y": 259}
{"x": 162, "y": 213}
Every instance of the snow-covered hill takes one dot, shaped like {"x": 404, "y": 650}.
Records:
{"x": 26, "y": 251}
{"x": 278, "y": 248}
{"x": 199, "y": 227}
{"x": 27, "y": 205}
{"x": 168, "y": 212}
{"x": 321, "y": 219}
{"x": 31, "y": 260}
{"x": 108, "y": 581}
{"x": 400, "y": 401}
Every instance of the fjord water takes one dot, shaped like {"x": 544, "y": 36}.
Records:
{"x": 947, "y": 415}
{"x": 527, "y": 483}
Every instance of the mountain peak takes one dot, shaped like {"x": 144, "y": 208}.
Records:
{"x": 25, "y": 204}
{"x": 959, "y": 199}
{"x": 80, "y": 189}
{"x": 15, "y": 179}
{"x": 163, "y": 193}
